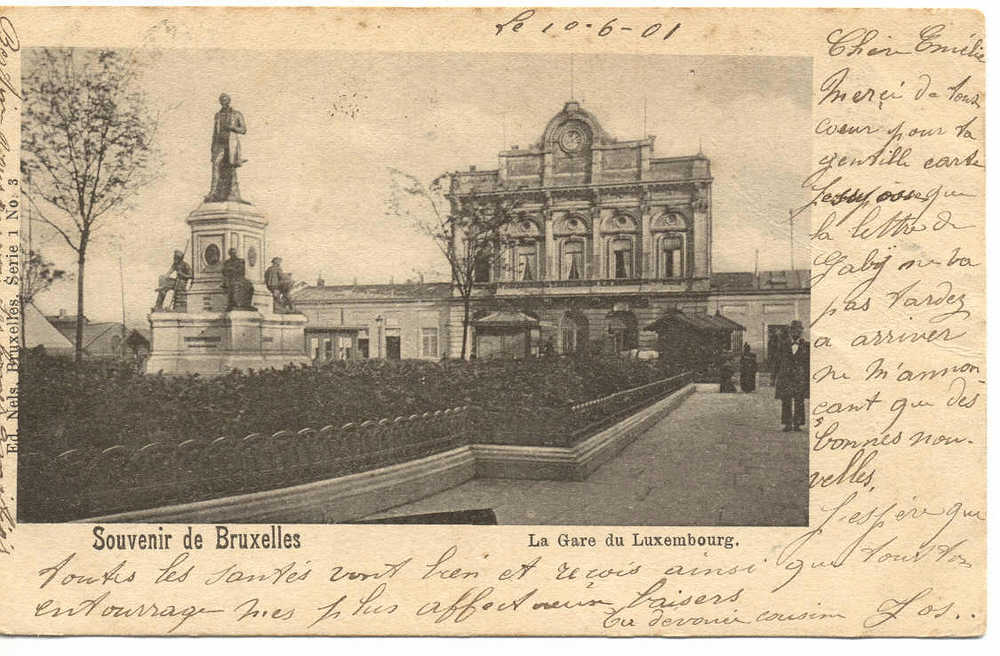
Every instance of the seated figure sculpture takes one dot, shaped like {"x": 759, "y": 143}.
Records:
{"x": 176, "y": 280}
{"x": 239, "y": 290}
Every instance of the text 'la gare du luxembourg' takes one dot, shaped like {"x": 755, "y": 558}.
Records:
{"x": 635, "y": 540}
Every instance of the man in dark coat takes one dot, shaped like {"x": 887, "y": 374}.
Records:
{"x": 791, "y": 377}
{"x": 748, "y": 370}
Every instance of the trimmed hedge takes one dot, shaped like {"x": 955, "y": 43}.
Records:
{"x": 96, "y": 405}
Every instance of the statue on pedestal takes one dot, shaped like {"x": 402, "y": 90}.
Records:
{"x": 226, "y": 154}
{"x": 176, "y": 280}
{"x": 279, "y": 284}
{"x": 239, "y": 290}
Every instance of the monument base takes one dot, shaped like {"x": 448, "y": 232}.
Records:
{"x": 213, "y": 343}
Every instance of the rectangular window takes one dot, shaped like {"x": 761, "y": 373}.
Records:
{"x": 526, "y": 266}
{"x": 569, "y": 339}
{"x": 572, "y": 261}
{"x": 622, "y": 262}
{"x": 671, "y": 257}
{"x": 345, "y": 345}
{"x": 429, "y": 347}
{"x": 481, "y": 272}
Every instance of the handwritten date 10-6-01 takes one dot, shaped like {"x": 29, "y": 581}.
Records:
{"x": 600, "y": 27}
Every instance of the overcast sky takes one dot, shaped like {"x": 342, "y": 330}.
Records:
{"x": 323, "y": 127}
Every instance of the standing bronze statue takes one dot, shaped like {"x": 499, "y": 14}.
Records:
{"x": 279, "y": 284}
{"x": 226, "y": 154}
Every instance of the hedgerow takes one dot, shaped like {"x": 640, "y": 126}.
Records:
{"x": 67, "y": 406}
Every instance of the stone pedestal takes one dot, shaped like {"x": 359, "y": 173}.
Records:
{"x": 211, "y": 343}
{"x": 216, "y": 228}
{"x": 200, "y": 336}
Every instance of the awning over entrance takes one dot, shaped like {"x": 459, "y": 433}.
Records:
{"x": 715, "y": 323}
{"x": 506, "y": 334}
{"x": 506, "y": 319}
{"x": 726, "y": 320}
{"x": 696, "y": 341}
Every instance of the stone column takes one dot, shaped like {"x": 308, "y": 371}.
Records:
{"x": 647, "y": 262}
{"x": 701, "y": 226}
{"x": 595, "y": 271}
{"x": 550, "y": 272}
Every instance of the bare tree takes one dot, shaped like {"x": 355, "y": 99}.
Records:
{"x": 471, "y": 232}
{"x": 39, "y": 274}
{"x": 87, "y": 145}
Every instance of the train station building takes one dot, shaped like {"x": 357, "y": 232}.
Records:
{"x": 610, "y": 239}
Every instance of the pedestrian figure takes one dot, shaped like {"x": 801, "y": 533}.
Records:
{"x": 748, "y": 370}
{"x": 726, "y": 377}
{"x": 791, "y": 377}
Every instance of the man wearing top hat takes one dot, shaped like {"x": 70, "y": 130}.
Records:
{"x": 791, "y": 377}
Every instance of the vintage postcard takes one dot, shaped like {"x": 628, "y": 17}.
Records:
{"x": 498, "y": 321}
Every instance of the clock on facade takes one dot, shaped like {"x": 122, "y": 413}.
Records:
{"x": 573, "y": 139}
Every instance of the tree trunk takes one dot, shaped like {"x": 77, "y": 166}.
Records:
{"x": 466, "y": 302}
{"x": 78, "y": 347}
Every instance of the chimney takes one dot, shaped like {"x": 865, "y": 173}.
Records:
{"x": 472, "y": 168}
{"x": 62, "y": 313}
{"x": 320, "y": 282}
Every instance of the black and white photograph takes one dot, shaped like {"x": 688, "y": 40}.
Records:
{"x": 441, "y": 288}
{"x": 493, "y": 322}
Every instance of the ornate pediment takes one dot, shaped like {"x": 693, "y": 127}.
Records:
{"x": 524, "y": 227}
{"x": 572, "y": 224}
{"x": 668, "y": 220}
{"x": 619, "y": 222}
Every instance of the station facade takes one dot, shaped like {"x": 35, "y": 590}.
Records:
{"x": 610, "y": 237}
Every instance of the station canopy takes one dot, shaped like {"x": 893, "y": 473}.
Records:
{"x": 701, "y": 322}
{"x": 506, "y": 319}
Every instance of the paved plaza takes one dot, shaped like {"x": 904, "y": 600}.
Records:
{"x": 718, "y": 459}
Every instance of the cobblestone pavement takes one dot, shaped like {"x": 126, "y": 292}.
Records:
{"x": 718, "y": 459}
